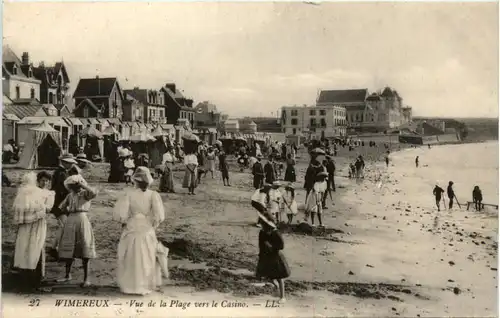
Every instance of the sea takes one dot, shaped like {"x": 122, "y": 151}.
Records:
{"x": 467, "y": 165}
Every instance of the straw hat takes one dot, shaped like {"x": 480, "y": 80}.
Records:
{"x": 276, "y": 184}
{"x": 267, "y": 218}
{"x": 318, "y": 151}
{"x": 67, "y": 157}
{"x": 142, "y": 174}
{"x": 74, "y": 179}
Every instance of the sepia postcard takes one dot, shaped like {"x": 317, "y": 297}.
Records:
{"x": 250, "y": 159}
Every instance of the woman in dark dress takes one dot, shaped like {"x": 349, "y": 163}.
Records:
{"x": 290, "y": 169}
{"x": 272, "y": 263}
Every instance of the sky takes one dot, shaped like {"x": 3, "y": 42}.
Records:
{"x": 250, "y": 59}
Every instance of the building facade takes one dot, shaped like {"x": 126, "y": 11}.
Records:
{"x": 98, "y": 98}
{"x": 54, "y": 88}
{"x": 178, "y": 106}
{"x": 315, "y": 121}
{"x": 376, "y": 112}
{"x": 18, "y": 78}
{"x": 146, "y": 105}
{"x": 207, "y": 115}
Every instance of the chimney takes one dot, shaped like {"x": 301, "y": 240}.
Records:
{"x": 26, "y": 58}
{"x": 98, "y": 85}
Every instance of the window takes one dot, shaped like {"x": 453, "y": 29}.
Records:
{"x": 312, "y": 122}
{"x": 18, "y": 92}
{"x": 294, "y": 130}
{"x": 294, "y": 112}
{"x": 322, "y": 112}
{"x": 294, "y": 121}
{"x": 86, "y": 112}
{"x": 51, "y": 98}
{"x": 323, "y": 122}
{"x": 116, "y": 96}
{"x": 32, "y": 93}
{"x": 30, "y": 73}
{"x": 312, "y": 112}
{"x": 14, "y": 70}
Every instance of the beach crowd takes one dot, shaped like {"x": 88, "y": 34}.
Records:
{"x": 142, "y": 261}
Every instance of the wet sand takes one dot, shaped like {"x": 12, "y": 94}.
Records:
{"x": 384, "y": 254}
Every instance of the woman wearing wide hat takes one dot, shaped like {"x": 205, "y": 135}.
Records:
{"x": 140, "y": 211}
{"x": 67, "y": 162}
{"x": 167, "y": 177}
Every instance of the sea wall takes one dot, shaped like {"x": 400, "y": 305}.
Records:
{"x": 428, "y": 140}
{"x": 378, "y": 138}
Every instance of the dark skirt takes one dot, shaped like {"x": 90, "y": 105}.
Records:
{"x": 225, "y": 174}
{"x": 290, "y": 174}
{"x": 258, "y": 182}
{"x": 167, "y": 181}
{"x": 272, "y": 266}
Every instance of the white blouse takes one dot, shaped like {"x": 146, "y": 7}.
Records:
{"x": 146, "y": 203}
{"x": 191, "y": 160}
{"x": 167, "y": 157}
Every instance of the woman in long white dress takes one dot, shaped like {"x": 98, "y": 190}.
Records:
{"x": 140, "y": 211}
{"x": 31, "y": 204}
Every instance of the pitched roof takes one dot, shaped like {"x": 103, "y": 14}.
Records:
{"x": 22, "y": 111}
{"x": 9, "y": 59}
{"x": 9, "y": 56}
{"x": 88, "y": 102}
{"x": 95, "y": 87}
{"x": 373, "y": 96}
{"x": 387, "y": 92}
{"x": 49, "y": 74}
{"x": 140, "y": 95}
{"x": 171, "y": 94}
{"x": 343, "y": 96}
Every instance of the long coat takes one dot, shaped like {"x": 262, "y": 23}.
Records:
{"x": 58, "y": 187}
{"x": 272, "y": 263}
{"x": 270, "y": 173}
{"x": 258, "y": 175}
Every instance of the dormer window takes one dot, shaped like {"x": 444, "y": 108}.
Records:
{"x": 32, "y": 93}
{"x": 14, "y": 70}
{"x": 30, "y": 72}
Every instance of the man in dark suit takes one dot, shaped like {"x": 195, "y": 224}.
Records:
{"x": 330, "y": 169}
{"x": 258, "y": 173}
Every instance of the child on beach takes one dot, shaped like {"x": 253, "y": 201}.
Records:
{"x": 129, "y": 165}
{"x": 77, "y": 239}
{"x": 275, "y": 201}
{"x": 290, "y": 203}
{"x": 272, "y": 264}
{"x": 260, "y": 200}
{"x": 224, "y": 168}
{"x": 314, "y": 199}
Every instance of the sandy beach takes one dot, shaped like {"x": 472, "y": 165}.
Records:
{"x": 386, "y": 251}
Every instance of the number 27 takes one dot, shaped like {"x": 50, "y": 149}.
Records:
{"x": 34, "y": 302}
